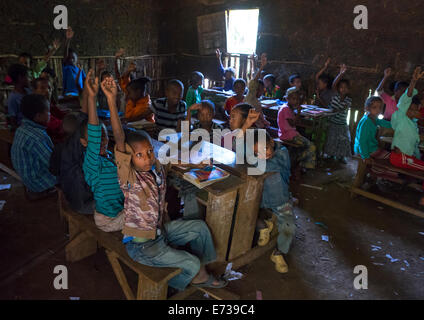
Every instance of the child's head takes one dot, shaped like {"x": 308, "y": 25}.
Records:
{"x": 269, "y": 81}
{"x": 263, "y": 149}
{"x": 239, "y": 87}
{"x": 48, "y": 73}
{"x": 229, "y": 73}
{"x": 295, "y": 81}
{"x": 239, "y": 115}
{"x": 413, "y": 110}
{"x": 42, "y": 87}
{"x": 143, "y": 155}
{"x": 105, "y": 74}
{"x": 70, "y": 123}
{"x": 261, "y": 88}
{"x": 293, "y": 97}
{"x": 137, "y": 89}
{"x": 84, "y": 137}
{"x": 206, "y": 113}
{"x": 72, "y": 57}
{"x": 374, "y": 106}
{"x": 323, "y": 82}
{"x": 25, "y": 59}
{"x": 400, "y": 88}
{"x": 174, "y": 92}
{"x": 19, "y": 75}
{"x": 196, "y": 79}
{"x": 343, "y": 87}
{"x": 35, "y": 107}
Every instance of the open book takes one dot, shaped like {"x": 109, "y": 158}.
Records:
{"x": 205, "y": 176}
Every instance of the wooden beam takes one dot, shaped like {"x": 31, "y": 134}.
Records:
{"x": 120, "y": 275}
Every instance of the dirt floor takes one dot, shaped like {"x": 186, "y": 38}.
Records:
{"x": 390, "y": 243}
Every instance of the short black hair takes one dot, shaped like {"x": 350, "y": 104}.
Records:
{"x": 345, "y": 81}
{"x": 208, "y": 104}
{"x": 35, "y": 82}
{"x": 230, "y": 69}
{"x": 270, "y": 77}
{"x": 416, "y": 100}
{"x": 17, "y": 70}
{"x": 325, "y": 78}
{"x": 176, "y": 83}
{"x": 32, "y": 105}
{"x": 293, "y": 77}
{"x": 256, "y": 136}
{"x": 104, "y": 74}
{"x": 196, "y": 75}
{"x": 244, "y": 108}
{"x": 139, "y": 84}
{"x": 134, "y": 136}
{"x": 49, "y": 71}
{"x": 261, "y": 82}
{"x": 371, "y": 100}
{"x": 241, "y": 81}
{"x": 400, "y": 85}
{"x": 25, "y": 55}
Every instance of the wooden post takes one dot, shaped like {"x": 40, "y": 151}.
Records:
{"x": 120, "y": 275}
{"x": 149, "y": 290}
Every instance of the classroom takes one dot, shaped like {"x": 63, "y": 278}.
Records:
{"x": 211, "y": 150}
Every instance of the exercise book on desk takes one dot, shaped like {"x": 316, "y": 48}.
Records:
{"x": 205, "y": 176}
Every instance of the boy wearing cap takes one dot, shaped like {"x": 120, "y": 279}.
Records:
{"x": 287, "y": 129}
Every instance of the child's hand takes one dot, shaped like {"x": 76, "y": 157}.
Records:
{"x": 109, "y": 88}
{"x": 218, "y": 53}
{"x": 252, "y": 117}
{"x": 343, "y": 68}
{"x": 327, "y": 62}
{"x": 264, "y": 60}
{"x": 92, "y": 84}
{"x": 387, "y": 72}
{"x": 195, "y": 106}
{"x": 132, "y": 67}
{"x": 119, "y": 53}
{"x": 56, "y": 44}
{"x": 69, "y": 33}
{"x": 417, "y": 75}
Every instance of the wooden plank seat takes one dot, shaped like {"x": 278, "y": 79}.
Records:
{"x": 386, "y": 165}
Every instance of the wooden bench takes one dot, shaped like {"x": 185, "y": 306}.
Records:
{"x": 84, "y": 239}
{"x": 385, "y": 165}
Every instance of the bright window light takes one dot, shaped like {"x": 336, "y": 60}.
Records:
{"x": 242, "y": 31}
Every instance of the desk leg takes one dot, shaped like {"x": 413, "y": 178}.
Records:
{"x": 250, "y": 195}
{"x": 219, "y": 216}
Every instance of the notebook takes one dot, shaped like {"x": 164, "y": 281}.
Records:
{"x": 205, "y": 176}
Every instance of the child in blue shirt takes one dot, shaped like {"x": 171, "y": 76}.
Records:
{"x": 73, "y": 77}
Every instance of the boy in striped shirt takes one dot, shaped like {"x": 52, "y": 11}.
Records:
{"x": 99, "y": 167}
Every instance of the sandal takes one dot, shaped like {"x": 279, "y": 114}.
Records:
{"x": 264, "y": 234}
{"x": 209, "y": 283}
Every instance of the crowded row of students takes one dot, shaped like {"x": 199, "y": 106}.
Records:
{"x": 126, "y": 189}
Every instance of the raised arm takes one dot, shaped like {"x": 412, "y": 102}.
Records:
{"x": 55, "y": 45}
{"x": 92, "y": 85}
{"x": 110, "y": 90}
{"x": 118, "y": 55}
{"x": 69, "y": 36}
{"x": 264, "y": 61}
{"x": 219, "y": 57}
{"x": 417, "y": 75}
{"x": 387, "y": 74}
{"x": 342, "y": 71}
{"x": 326, "y": 64}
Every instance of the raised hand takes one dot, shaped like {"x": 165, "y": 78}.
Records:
{"x": 387, "y": 72}
{"x": 252, "y": 117}
{"x": 120, "y": 53}
{"x": 132, "y": 67}
{"x": 218, "y": 53}
{"x": 417, "y": 75}
{"x": 343, "y": 68}
{"x": 109, "y": 88}
{"x": 92, "y": 84}
{"x": 327, "y": 63}
{"x": 195, "y": 106}
{"x": 69, "y": 33}
{"x": 56, "y": 44}
{"x": 264, "y": 60}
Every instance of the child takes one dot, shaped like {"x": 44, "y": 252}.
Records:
{"x": 73, "y": 77}
{"x": 324, "y": 93}
{"x": 276, "y": 196}
{"x": 296, "y": 81}
{"x": 99, "y": 167}
{"x": 54, "y": 127}
{"x": 171, "y": 110}
{"x": 205, "y": 114}
{"x": 149, "y": 238}
{"x": 239, "y": 89}
{"x": 391, "y": 102}
{"x": 227, "y": 73}
{"x": 20, "y": 79}
{"x": 256, "y": 90}
{"x": 50, "y": 75}
{"x": 406, "y": 139}
{"x": 101, "y": 98}
{"x": 194, "y": 92}
{"x": 366, "y": 144}
{"x": 272, "y": 90}
{"x": 287, "y": 129}
{"x": 32, "y": 147}
{"x": 138, "y": 101}
{"x": 338, "y": 135}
